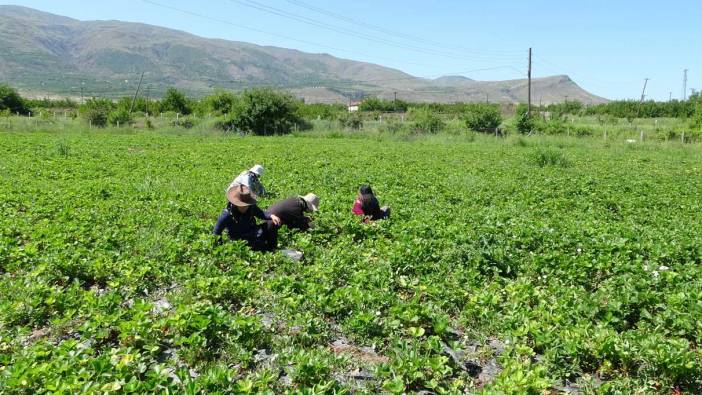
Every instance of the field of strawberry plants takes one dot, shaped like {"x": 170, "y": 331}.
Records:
{"x": 526, "y": 265}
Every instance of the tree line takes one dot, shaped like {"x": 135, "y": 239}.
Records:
{"x": 264, "y": 111}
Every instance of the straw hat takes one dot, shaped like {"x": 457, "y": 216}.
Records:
{"x": 312, "y": 201}
{"x": 240, "y": 195}
{"x": 257, "y": 170}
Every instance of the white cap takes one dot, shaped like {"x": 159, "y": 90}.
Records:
{"x": 312, "y": 201}
{"x": 257, "y": 170}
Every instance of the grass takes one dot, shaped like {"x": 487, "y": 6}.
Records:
{"x": 503, "y": 270}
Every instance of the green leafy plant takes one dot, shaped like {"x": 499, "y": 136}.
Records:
{"x": 264, "y": 112}
{"x": 11, "y": 101}
{"x": 351, "y": 121}
{"x": 426, "y": 121}
{"x": 119, "y": 118}
{"x": 484, "y": 118}
{"x": 175, "y": 101}
{"x": 549, "y": 157}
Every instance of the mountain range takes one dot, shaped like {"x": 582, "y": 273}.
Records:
{"x": 51, "y": 55}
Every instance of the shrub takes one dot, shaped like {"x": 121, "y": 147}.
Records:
{"x": 220, "y": 102}
{"x": 554, "y": 126}
{"x": 525, "y": 121}
{"x": 264, "y": 112}
{"x": 119, "y": 117}
{"x": 549, "y": 157}
{"x": 426, "y": 121}
{"x": 11, "y": 100}
{"x": 96, "y": 111}
{"x": 97, "y": 117}
{"x": 393, "y": 126}
{"x": 483, "y": 118}
{"x": 351, "y": 121}
{"x": 381, "y": 105}
{"x": 696, "y": 120}
{"x": 185, "y": 122}
{"x": 175, "y": 101}
{"x": 321, "y": 111}
{"x": 580, "y": 131}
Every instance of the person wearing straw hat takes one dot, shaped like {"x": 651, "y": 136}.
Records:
{"x": 252, "y": 179}
{"x": 291, "y": 211}
{"x": 239, "y": 220}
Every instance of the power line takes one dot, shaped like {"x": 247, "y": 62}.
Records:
{"x": 226, "y": 22}
{"x": 313, "y": 22}
{"x": 398, "y": 34}
{"x": 245, "y": 27}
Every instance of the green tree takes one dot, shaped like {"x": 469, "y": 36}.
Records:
{"x": 264, "y": 112}
{"x": 220, "y": 102}
{"x": 483, "y": 117}
{"x": 96, "y": 111}
{"x": 382, "y": 105}
{"x": 175, "y": 101}
{"x": 119, "y": 117}
{"x": 525, "y": 121}
{"x": 11, "y": 101}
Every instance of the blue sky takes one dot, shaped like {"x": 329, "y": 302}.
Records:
{"x": 608, "y": 47}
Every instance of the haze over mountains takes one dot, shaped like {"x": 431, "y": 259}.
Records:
{"x": 46, "y": 54}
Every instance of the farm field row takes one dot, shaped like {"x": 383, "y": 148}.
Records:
{"x": 517, "y": 265}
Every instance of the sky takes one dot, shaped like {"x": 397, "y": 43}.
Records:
{"x": 607, "y": 47}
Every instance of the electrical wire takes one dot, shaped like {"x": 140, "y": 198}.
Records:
{"x": 375, "y": 39}
{"x": 401, "y": 35}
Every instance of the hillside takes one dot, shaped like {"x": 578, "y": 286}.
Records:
{"x": 50, "y": 54}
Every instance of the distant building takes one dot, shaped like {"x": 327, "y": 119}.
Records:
{"x": 354, "y": 106}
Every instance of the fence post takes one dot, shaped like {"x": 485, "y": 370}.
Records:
{"x": 90, "y": 123}
{"x": 642, "y": 136}
{"x": 605, "y": 135}
{"x": 118, "y": 124}
{"x": 682, "y": 139}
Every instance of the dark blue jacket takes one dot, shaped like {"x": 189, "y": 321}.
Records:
{"x": 240, "y": 226}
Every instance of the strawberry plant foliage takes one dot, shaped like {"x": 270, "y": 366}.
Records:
{"x": 505, "y": 268}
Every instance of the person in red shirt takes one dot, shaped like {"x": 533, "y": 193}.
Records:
{"x": 367, "y": 205}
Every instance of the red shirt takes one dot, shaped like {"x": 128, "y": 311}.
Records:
{"x": 357, "y": 208}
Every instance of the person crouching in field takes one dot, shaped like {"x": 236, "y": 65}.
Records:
{"x": 252, "y": 179}
{"x": 292, "y": 211}
{"x": 239, "y": 220}
{"x": 366, "y": 205}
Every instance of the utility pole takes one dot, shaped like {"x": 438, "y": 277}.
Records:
{"x": 643, "y": 95}
{"x": 529, "y": 88}
{"x": 136, "y": 93}
{"x": 684, "y": 97}
{"x": 670, "y": 96}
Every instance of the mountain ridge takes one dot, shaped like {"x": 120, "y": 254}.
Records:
{"x": 58, "y": 55}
